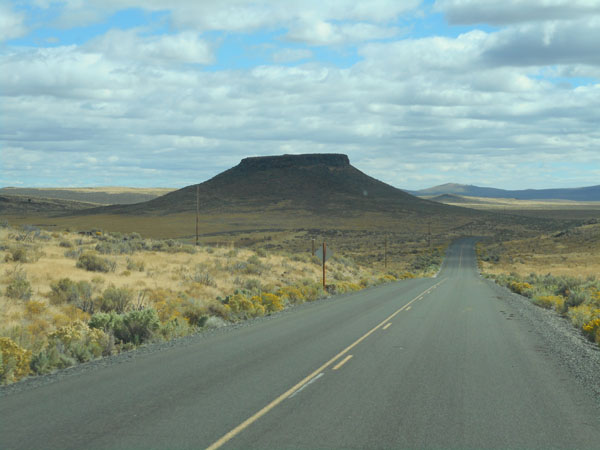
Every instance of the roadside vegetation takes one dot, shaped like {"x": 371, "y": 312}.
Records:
{"x": 557, "y": 271}
{"x": 68, "y": 298}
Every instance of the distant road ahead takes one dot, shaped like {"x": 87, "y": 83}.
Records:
{"x": 435, "y": 362}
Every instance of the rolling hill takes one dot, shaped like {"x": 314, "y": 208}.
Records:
{"x": 583, "y": 194}
{"x": 18, "y": 204}
{"x": 97, "y": 195}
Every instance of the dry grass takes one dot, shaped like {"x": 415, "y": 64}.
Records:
{"x": 107, "y": 190}
{"x": 166, "y": 279}
{"x": 573, "y": 252}
{"x": 485, "y": 203}
{"x": 164, "y": 270}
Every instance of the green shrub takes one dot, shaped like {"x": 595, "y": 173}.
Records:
{"x": 254, "y": 259}
{"x": 94, "y": 263}
{"x": 103, "y": 321}
{"x": 576, "y": 297}
{"x": 19, "y": 287}
{"x": 194, "y": 312}
{"x": 203, "y": 278}
{"x": 253, "y": 285}
{"x": 78, "y": 293}
{"x": 114, "y": 299}
{"x": 73, "y": 253}
{"x": 171, "y": 246}
{"x": 137, "y": 266}
{"x": 141, "y": 325}
{"x": 72, "y": 344}
{"x": 22, "y": 254}
{"x": 311, "y": 290}
{"x": 134, "y": 327}
{"x": 301, "y": 257}
{"x": 174, "y": 328}
{"x": 427, "y": 262}
{"x": 344, "y": 260}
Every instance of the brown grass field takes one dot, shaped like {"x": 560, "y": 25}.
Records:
{"x": 574, "y": 252}
{"x": 551, "y": 209}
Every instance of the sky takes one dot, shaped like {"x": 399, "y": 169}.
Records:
{"x": 168, "y": 93}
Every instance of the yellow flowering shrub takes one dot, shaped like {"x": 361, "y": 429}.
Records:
{"x": 166, "y": 303}
{"x": 70, "y": 344}
{"x": 582, "y": 314}
{"x": 38, "y": 332}
{"x": 352, "y": 287}
{"x": 34, "y": 308}
{"x": 343, "y": 287}
{"x": 69, "y": 333}
{"x": 520, "y": 287}
{"x": 555, "y": 302}
{"x": 364, "y": 283}
{"x": 592, "y": 328}
{"x": 242, "y": 306}
{"x": 406, "y": 276}
{"x": 291, "y": 294}
{"x": 271, "y": 302}
{"x": 312, "y": 291}
{"x": 14, "y": 361}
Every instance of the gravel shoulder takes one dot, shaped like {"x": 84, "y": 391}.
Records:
{"x": 573, "y": 351}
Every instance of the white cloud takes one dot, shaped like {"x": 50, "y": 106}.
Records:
{"x": 414, "y": 112}
{"x": 184, "y": 47}
{"x": 11, "y": 23}
{"x": 502, "y": 12}
{"x": 250, "y": 15}
{"x": 324, "y": 33}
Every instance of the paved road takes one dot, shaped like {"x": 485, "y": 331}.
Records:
{"x": 420, "y": 363}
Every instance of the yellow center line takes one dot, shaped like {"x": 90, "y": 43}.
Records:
{"x": 387, "y": 326}
{"x": 341, "y": 363}
{"x": 250, "y": 420}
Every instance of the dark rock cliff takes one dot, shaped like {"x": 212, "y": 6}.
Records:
{"x": 283, "y": 161}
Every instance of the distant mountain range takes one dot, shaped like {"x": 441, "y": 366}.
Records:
{"x": 19, "y": 204}
{"x": 583, "y": 194}
{"x": 98, "y": 195}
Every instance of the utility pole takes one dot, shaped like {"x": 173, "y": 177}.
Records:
{"x": 197, "y": 211}
{"x": 324, "y": 258}
{"x": 385, "y": 254}
{"x": 313, "y": 247}
{"x": 429, "y": 234}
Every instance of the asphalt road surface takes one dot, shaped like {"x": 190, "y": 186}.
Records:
{"x": 439, "y": 362}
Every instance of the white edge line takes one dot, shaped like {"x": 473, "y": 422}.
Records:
{"x": 306, "y": 384}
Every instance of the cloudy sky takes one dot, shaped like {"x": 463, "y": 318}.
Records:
{"x": 502, "y": 93}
